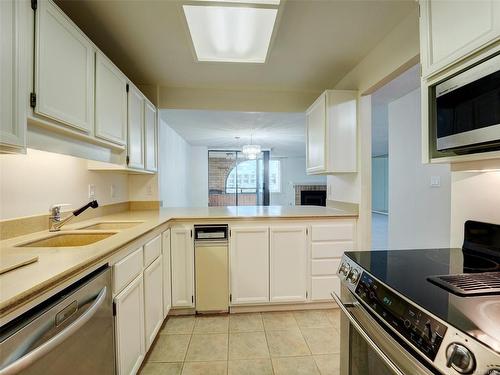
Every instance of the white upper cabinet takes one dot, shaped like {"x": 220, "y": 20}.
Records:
{"x": 249, "y": 248}
{"x": 64, "y": 70}
{"x": 151, "y": 135}
{"x": 452, "y": 30}
{"x": 110, "y": 101}
{"x": 331, "y": 124}
{"x": 135, "y": 128}
{"x": 182, "y": 258}
{"x": 12, "y": 77}
{"x": 288, "y": 254}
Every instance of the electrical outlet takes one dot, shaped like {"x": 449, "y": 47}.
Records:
{"x": 91, "y": 191}
{"x": 113, "y": 191}
{"x": 149, "y": 190}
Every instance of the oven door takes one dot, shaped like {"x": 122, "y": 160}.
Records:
{"x": 366, "y": 347}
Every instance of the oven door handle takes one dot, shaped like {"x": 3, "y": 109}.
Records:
{"x": 365, "y": 336}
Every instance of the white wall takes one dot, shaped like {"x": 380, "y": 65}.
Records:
{"x": 419, "y": 215}
{"x": 293, "y": 172}
{"x": 183, "y": 170}
{"x": 31, "y": 183}
{"x": 474, "y": 196}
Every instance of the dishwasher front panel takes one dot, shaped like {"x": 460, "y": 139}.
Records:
{"x": 74, "y": 332}
{"x": 212, "y": 277}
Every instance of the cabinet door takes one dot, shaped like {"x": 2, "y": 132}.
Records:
{"x": 12, "y": 76}
{"x": 249, "y": 253}
{"x": 153, "y": 300}
{"x": 288, "y": 263}
{"x": 316, "y": 133}
{"x": 167, "y": 283}
{"x": 110, "y": 101}
{"x": 135, "y": 128}
{"x": 129, "y": 330}
{"x": 150, "y": 136}
{"x": 450, "y": 30}
{"x": 182, "y": 253}
{"x": 64, "y": 73}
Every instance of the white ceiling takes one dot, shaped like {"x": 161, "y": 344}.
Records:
{"x": 283, "y": 133}
{"x": 316, "y": 42}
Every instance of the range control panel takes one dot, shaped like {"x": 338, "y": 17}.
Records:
{"x": 422, "y": 330}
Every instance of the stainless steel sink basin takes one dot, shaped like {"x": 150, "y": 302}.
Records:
{"x": 68, "y": 240}
{"x": 112, "y": 225}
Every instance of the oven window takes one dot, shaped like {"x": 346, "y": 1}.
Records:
{"x": 363, "y": 359}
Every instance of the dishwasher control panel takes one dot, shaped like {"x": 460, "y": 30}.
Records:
{"x": 209, "y": 232}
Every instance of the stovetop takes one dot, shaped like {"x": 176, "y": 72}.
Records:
{"x": 407, "y": 271}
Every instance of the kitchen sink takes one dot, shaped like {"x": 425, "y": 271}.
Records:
{"x": 68, "y": 240}
{"x": 112, "y": 225}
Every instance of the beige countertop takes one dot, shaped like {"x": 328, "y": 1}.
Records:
{"x": 56, "y": 265}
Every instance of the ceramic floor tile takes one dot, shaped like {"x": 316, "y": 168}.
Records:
{"x": 248, "y": 345}
{"x": 286, "y": 343}
{"x": 245, "y": 322}
{"x": 250, "y": 367}
{"x": 295, "y": 366}
{"x": 334, "y": 317}
{"x": 205, "y": 368}
{"x": 328, "y": 364}
{"x": 158, "y": 368}
{"x": 178, "y": 325}
{"x": 312, "y": 319}
{"x": 169, "y": 348}
{"x": 211, "y": 324}
{"x": 322, "y": 340}
{"x": 210, "y": 347}
{"x": 275, "y": 321}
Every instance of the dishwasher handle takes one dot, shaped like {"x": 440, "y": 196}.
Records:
{"x": 49, "y": 345}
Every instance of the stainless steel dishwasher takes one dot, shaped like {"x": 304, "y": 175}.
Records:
{"x": 70, "y": 333}
{"x": 211, "y": 268}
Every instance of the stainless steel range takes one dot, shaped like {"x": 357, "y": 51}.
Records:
{"x": 432, "y": 311}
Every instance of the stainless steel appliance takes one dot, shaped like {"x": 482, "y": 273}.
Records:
{"x": 398, "y": 320}
{"x": 211, "y": 268}
{"x": 71, "y": 333}
{"x": 467, "y": 108}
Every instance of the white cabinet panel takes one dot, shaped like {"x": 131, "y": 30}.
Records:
{"x": 13, "y": 91}
{"x": 153, "y": 300}
{"x": 110, "y": 101}
{"x": 451, "y": 30}
{"x": 341, "y": 230}
{"x": 327, "y": 267}
{"x": 64, "y": 74}
{"x": 167, "y": 283}
{"x": 249, "y": 258}
{"x": 182, "y": 257}
{"x": 323, "y": 286}
{"x": 316, "y": 135}
{"x": 151, "y": 136}
{"x": 135, "y": 128}
{"x": 127, "y": 269}
{"x": 288, "y": 249}
{"x": 129, "y": 327}
{"x": 152, "y": 250}
{"x": 330, "y": 249}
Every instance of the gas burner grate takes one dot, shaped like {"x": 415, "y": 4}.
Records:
{"x": 469, "y": 284}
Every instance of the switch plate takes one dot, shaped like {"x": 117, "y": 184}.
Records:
{"x": 149, "y": 190}
{"x": 91, "y": 191}
{"x": 435, "y": 181}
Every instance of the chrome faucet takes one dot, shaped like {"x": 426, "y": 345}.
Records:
{"x": 55, "y": 221}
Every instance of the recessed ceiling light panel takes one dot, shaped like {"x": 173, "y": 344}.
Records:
{"x": 233, "y": 34}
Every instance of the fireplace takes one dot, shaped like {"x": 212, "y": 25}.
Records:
{"x": 313, "y": 198}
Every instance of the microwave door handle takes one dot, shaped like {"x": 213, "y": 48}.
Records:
{"x": 364, "y": 335}
{"x": 48, "y": 346}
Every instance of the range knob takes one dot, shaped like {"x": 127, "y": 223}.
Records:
{"x": 354, "y": 276}
{"x": 344, "y": 269}
{"x": 460, "y": 358}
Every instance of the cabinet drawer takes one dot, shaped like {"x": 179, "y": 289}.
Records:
{"x": 323, "y": 286}
{"x": 330, "y": 249}
{"x": 127, "y": 270}
{"x": 325, "y": 267}
{"x": 342, "y": 231}
{"x": 152, "y": 250}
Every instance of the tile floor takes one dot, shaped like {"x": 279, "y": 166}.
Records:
{"x": 299, "y": 342}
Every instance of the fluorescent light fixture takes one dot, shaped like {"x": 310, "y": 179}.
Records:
{"x": 233, "y": 34}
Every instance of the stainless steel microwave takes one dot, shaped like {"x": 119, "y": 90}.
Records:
{"x": 467, "y": 108}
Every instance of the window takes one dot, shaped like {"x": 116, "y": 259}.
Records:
{"x": 247, "y": 177}
{"x": 275, "y": 176}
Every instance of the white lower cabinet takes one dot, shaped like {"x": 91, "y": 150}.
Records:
{"x": 167, "y": 282}
{"x": 323, "y": 286}
{"x": 153, "y": 300}
{"x": 249, "y": 253}
{"x": 129, "y": 327}
{"x": 288, "y": 255}
{"x": 182, "y": 258}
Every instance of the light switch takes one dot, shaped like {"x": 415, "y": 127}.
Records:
{"x": 435, "y": 181}
{"x": 91, "y": 191}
